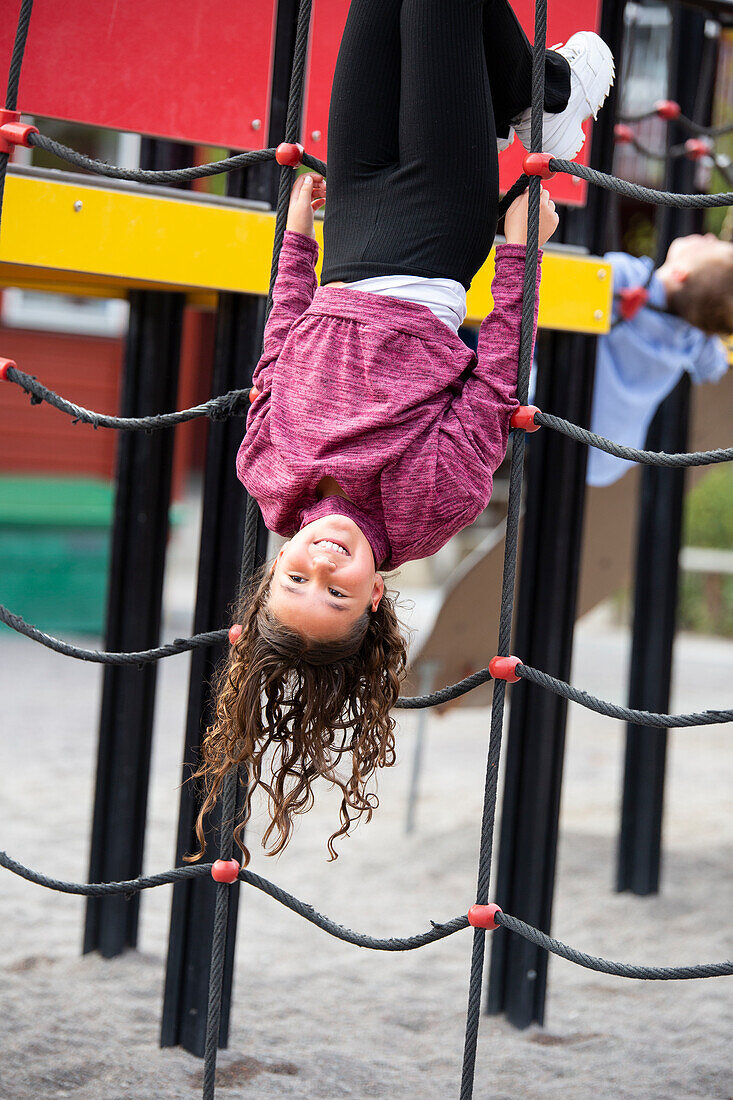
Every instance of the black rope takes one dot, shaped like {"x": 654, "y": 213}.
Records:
{"x": 11, "y": 95}
{"x": 418, "y": 702}
{"x": 704, "y": 131}
{"x": 517, "y": 188}
{"x": 104, "y": 889}
{"x": 445, "y": 694}
{"x": 175, "y": 175}
{"x": 438, "y": 931}
{"x": 721, "y": 163}
{"x": 624, "y": 714}
{"x": 689, "y": 124}
{"x": 233, "y": 403}
{"x": 219, "y": 938}
{"x": 249, "y": 551}
{"x": 673, "y": 152}
{"x": 632, "y": 454}
{"x": 101, "y": 657}
{"x": 604, "y": 966}
{"x": 473, "y": 1010}
{"x": 16, "y": 60}
{"x": 236, "y": 403}
{"x": 641, "y": 116}
{"x": 636, "y": 191}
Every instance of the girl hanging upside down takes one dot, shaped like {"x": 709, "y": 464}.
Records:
{"x": 376, "y": 431}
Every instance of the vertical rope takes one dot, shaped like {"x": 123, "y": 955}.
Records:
{"x": 249, "y": 550}
{"x": 11, "y": 96}
{"x": 219, "y": 938}
{"x": 16, "y": 61}
{"x": 292, "y": 132}
{"x": 510, "y": 559}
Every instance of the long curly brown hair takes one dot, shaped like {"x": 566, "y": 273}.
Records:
{"x": 310, "y": 704}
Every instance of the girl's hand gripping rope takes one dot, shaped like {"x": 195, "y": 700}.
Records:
{"x": 308, "y": 194}
{"x": 515, "y": 222}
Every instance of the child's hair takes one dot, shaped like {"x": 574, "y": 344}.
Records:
{"x": 705, "y": 298}
{"x": 308, "y": 703}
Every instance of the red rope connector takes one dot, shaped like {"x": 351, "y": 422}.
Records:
{"x": 623, "y": 134}
{"x": 538, "y": 164}
{"x": 13, "y": 131}
{"x": 523, "y": 418}
{"x": 696, "y": 148}
{"x": 290, "y": 153}
{"x": 483, "y": 916}
{"x": 235, "y": 632}
{"x": 225, "y": 870}
{"x": 5, "y": 365}
{"x": 504, "y": 668}
{"x": 631, "y": 300}
{"x": 667, "y": 108}
{"x": 254, "y": 393}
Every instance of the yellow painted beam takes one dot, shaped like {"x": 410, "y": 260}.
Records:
{"x": 98, "y": 241}
{"x": 86, "y": 285}
{"x": 575, "y": 294}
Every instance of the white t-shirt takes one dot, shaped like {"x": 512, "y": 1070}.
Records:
{"x": 444, "y": 297}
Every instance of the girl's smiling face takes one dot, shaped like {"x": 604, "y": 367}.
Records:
{"x": 324, "y": 579}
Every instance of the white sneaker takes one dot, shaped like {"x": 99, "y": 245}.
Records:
{"x": 591, "y": 76}
{"x": 504, "y": 143}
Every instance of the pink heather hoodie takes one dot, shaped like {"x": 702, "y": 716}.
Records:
{"x": 368, "y": 389}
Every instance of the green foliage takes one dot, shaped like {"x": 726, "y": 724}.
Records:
{"x": 706, "y": 604}
{"x": 708, "y": 519}
{"x": 214, "y": 185}
{"x": 706, "y": 600}
{"x": 640, "y": 237}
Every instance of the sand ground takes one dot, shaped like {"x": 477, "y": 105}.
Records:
{"x": 318, "y": 1019}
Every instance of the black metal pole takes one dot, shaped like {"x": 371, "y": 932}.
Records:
{"x": 140, "y": 532}
{"x": 238, "y": 345}
{"x": 692, "y": 78}
{"x": 240, "y": 325}
{"x": 544, "y": 624}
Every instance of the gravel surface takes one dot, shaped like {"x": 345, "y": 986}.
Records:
{"x": 318, "y": 1019}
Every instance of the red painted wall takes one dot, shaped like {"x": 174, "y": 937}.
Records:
{"x": 194, "y": 70}
{"x": 87, "y": 370}
{"x": 199, "y": 71}
{"x": 37, "y": 438}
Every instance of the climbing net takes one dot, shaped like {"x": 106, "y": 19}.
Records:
{"x": 700, "y": 146}
{"x": 503, "y": 668}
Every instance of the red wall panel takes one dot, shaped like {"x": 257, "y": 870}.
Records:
{"x": 200, "y": 71}
{"x": 88, "y": 371}
{"x": 39, "y": 439}
{"x": 196, "y": 71}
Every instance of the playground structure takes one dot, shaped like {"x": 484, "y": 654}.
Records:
{"x": 111, "y": 922}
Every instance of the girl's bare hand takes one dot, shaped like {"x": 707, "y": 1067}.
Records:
{"x": 308, "y": 194}
{"x": 515, "y": 222}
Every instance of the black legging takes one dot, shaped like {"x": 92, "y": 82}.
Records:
{"x": 421, "y": 89}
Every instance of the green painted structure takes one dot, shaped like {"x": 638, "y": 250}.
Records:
{"x": 54, "y": 550}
